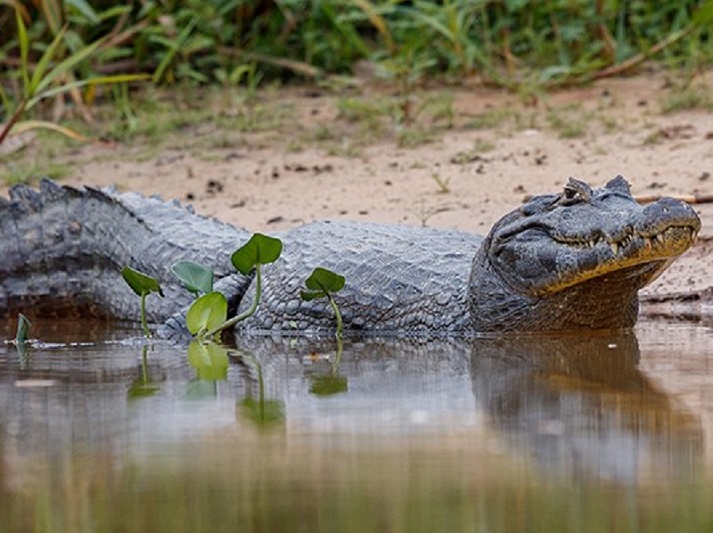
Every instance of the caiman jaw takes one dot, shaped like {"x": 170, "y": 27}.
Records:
{"x": 652, "y": 250}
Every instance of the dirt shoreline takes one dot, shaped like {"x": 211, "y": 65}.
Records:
{"x": 499, "y": 149}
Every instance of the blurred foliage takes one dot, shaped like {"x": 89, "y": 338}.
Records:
{"x": 506, "y": 42}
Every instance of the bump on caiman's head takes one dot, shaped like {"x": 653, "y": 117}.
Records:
{"x": 577, "y": 259}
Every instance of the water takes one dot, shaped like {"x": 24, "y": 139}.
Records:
{"x": 606, "y": 432}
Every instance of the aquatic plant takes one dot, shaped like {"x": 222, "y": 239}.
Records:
{"x": 143, "y": 285}
{"x": 322, "y": 283}
{"x": 207, "y": 316}
{"x": 196, "y": 278}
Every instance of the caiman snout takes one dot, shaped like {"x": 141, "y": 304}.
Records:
{"x": 668, "y": 212}
{"x": 669, "y": 225}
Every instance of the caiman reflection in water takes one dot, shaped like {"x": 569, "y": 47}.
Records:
{"x": 580, "y": 404}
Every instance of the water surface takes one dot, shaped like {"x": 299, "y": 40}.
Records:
{"x": 558, "y": 432}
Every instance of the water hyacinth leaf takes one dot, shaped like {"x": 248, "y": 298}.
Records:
{"x": 195, "y": 277}
{"x": 210, "y": 360}
{"x": 141, "y": 283}
{"x": 207, "y": 313}
{"x": 259, "y": 250}
{"x": 322, "y": 282}
{"x": 312, "y": 295}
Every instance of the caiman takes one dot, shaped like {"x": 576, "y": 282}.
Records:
{"x": 569, "y": 261}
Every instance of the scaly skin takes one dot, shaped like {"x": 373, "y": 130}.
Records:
{"x": 575, "y": 260}
{"x": 62, "y": 249}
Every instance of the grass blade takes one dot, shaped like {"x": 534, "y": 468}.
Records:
{"x": 378, "y": 22}
{"x": 43, "y": 64}
{"x": 24, "y": 52}
{"x": 27, "y": 125}
{"x": 100, "y": 80}
{"x": 67, "y": 64}
{"x": 85, "y": 9}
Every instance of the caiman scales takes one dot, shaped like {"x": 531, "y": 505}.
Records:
{"x": 568, "y": 261}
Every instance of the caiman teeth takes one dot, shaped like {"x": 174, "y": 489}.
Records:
{"x": 618, "y": 244}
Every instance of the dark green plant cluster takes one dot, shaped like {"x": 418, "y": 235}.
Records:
{"x": 236, "y": 41}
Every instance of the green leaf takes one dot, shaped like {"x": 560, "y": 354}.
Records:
{"x": 99, "y": 80}
{"x": 38, "y": 76}
{"x": 24, "y": 51}
{"x": 195, "y": 277}
{"x": 173, "y": 45}
{"x": 207, "y": 313}
{"x": 141, "y": 283}
{"x": 312, "y": 295}
{"x": 23, "y": 329}
{"x": 210, "y": 360}
{"x": 704, "y": 15}
{"x": 322, "y": 282}
{"x": 85, "y": 9}
{"x": 65, "y": 66}
{"x": 259, "y": 250}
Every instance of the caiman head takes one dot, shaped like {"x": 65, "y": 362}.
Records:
{"x": 576, "y": 260}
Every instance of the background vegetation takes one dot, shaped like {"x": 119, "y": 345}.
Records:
{"x": 55, "y": 54}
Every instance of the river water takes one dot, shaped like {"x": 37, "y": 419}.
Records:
{"x": 601, "y": 432}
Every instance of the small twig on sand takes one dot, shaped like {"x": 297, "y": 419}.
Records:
{"x": 688, "y": 198}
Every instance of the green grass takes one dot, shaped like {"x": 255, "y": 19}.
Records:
{"x": 686, "y": 98}
{"x": 31, "y": 171}
{"x": 493, "y": 118}
{"x": 415, "y": 136}
{"x": 569, "y": 122}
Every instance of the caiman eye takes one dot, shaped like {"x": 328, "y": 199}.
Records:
{"x": 576, "y": 191}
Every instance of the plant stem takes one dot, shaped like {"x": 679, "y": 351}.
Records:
{"x": 11, "y": 122}
{"x": 144, "y": 365}
{"x": 338, "y": 356}
{"x": 242, "y": 316}
{"x": 337, "y": 315}
{"x": 144, "y": 324}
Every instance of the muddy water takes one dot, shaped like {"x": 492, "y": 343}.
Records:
{"x": 607, "y": 431}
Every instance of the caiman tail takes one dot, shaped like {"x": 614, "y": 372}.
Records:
{"x": 62, "y": 249}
